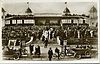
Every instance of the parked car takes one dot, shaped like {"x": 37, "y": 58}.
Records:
{"x": 11, "y": 51}
{"x": 80, "y": 53}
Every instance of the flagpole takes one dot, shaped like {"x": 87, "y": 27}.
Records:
{"x": 66, "y": 4}
{"x": 28, "y": 4}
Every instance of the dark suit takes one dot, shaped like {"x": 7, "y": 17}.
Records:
{"x": 46, "y": 42}
{"x": 31, "y": 49}
{"x": 61, "y": 41}
{"x": 38, "y": 51}
{"x": 50, "y": 53}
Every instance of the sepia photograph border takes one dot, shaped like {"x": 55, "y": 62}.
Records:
{"x": 38, "y": 62}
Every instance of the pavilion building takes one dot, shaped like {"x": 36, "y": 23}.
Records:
{"x": 47, "y": 19}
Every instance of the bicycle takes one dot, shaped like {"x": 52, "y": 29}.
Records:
{"x": 61, "y": 55}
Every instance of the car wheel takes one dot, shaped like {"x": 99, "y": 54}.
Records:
{"x": 88, "y": 53}
{"x": 78, "y": 56}
{"x": 54, "y": 56}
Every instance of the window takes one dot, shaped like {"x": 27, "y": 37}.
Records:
{"x": 66, "y": 21}
{"x": 69, "y": 21}
{"x": 7, "y": 22}
{"x": 13, "y": 21}
{"x": 29, "y": 21}
{"x": 75, "y": 21}
{"x": 19, "y": 21}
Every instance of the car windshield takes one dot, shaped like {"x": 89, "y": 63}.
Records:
{"x": 12, "y": 42}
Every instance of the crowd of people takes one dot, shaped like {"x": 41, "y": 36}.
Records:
{"x": 45, "y": 34}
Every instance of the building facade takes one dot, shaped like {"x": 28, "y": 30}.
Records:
{"x": 52, "y": 19}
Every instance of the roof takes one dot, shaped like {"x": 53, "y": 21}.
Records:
{"x": 44, "y": 15}
{"x": 20, "y": 17}
{"x": 28, "y": 10}
{"x": 48, "y": 14}
{"x": 66, "y": 10}
{"x": 93, "y": 9}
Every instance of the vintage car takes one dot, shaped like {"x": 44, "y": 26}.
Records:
{"x": 11, "y": 51}
{"x": 14, "y": 48}
{"x": 83, "y": 53}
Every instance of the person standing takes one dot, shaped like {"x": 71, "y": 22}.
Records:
{"x": 57, "y": 51}
{"x": 46, "y": 42}
{"x": 20, "y": 52}
{"x": 58, "y": 40}
{"x": 50, "y": 53}
{"x": 39, "y": 34}
{"x": 20, "y": 44}
{"x": 31, "y": 49}
{"x": 75, "y": 34}
{"x": 91, "y": 33}
{"x": 61, "y": 41}
{"x": 43, "y": 37}
{"x": 38, "y": 51}
{"x": 51, "y": 34}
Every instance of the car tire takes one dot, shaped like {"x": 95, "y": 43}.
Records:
{"x": 78, "y": 56}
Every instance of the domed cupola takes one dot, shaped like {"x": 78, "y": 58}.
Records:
{"x": 93, "y": 9}
{"x": 93, "y": 13}
{"x": 66, "y": 11}
{"x": 3, "y": 10}
{"x": 28, "y": 10}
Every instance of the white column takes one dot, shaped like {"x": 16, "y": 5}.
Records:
{"x": 78, "y": 34}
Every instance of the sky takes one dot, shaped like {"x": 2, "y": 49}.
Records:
{"x": 49, "y": 7}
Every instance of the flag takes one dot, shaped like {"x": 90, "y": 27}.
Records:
{"x": 27, "y": 2}
{"x": 65, "y": 2}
